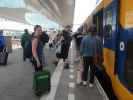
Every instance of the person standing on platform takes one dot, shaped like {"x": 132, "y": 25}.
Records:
{"x": 65, "y": 44}
{"x": 99, "y": 53}
{"x": 25, "y": 41}
{"x": 37, "y": 48}
{"x": 87, "y": 51}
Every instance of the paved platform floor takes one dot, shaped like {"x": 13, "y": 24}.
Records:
{"x": 16, "y": 77}
{"x": 64, "y": 84}
{"x": 16, "y": 80}
{"x": 69, "y": 90}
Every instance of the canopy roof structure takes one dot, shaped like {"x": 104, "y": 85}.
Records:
{"x": 59, "y": 11}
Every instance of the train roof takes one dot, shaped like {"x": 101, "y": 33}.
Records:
{"x": 101, "y": 5}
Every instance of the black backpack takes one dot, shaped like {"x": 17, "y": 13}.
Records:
{"x": 44, "y": 38}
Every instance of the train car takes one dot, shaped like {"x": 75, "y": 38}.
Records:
{"x": 114, "y": 22}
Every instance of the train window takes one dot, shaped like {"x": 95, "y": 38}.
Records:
{"x": 108, "y": 23}
{"x": 107, "y": 31}
{"x": 109, "y": 17}
{"x": 98, "y": 21}
{"x": 129, "y": 64}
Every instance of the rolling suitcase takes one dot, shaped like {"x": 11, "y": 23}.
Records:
{"x": 41, "y": 82}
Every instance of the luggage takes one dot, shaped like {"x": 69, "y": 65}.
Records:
{"x": 3, "y": 57}
{"x": 41, "y": 82}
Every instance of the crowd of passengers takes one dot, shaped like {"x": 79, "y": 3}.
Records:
{"x": 88, "y": 49}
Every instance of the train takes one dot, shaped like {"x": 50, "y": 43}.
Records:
{"x": 114, "y": 23}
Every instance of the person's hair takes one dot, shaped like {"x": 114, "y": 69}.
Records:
{"x": 68, "y": 26}
{"x": 1, "y": 31}
{"x": 91, "y": 28}
{"x": 36, "y": 26}
{"x": 26, "y": 30}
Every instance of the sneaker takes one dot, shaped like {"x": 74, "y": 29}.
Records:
{"x": 90, "y": 85}
{"x": 84, "y": 83}
{"x": 79, "y": 83}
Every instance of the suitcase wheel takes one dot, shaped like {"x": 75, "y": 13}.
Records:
{"x": 38, "y": 94}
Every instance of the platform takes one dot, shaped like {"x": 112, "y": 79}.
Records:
{"x": 16, "y": 80}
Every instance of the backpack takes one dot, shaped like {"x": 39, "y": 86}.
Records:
{"x": 44, "y": 38}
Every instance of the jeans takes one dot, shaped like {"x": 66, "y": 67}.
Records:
{"x": 88, "y": 62}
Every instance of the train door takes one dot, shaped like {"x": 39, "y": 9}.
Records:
{"x": 110, "y": 30}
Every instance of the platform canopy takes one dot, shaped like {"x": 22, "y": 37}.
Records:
{"x": 59, "y": 11}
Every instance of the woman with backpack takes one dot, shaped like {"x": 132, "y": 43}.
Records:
{"x": 37, "y": 48}
{"x": 37, "y": 53}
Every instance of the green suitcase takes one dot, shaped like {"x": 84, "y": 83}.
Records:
{"x": 41, "y": 82}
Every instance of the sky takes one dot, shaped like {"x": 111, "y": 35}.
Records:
{"x": 83, "y": 9}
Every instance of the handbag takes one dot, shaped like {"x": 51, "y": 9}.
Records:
{"x": 58, "y": 52}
